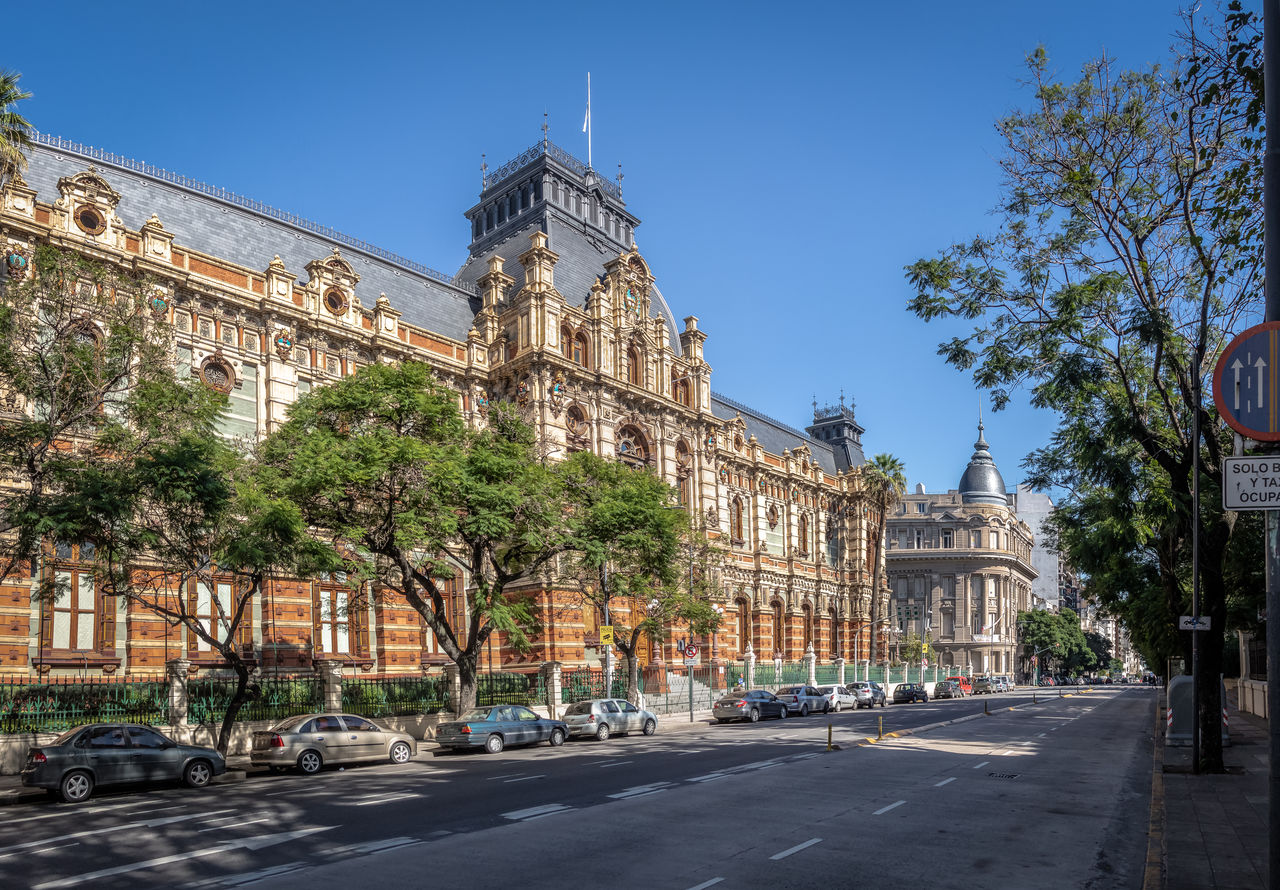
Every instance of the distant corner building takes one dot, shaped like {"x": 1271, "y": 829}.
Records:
{"x": 961, "y": 567}
{"x": 555, "y": 310}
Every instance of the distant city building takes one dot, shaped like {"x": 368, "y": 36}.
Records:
{"x": 960, "y": 569}
{"x": 1034, "y": 508}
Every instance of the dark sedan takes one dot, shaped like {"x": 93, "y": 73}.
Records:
{"x": 909, "y": 692}
{"x": 116, "y": 754}
{"x": 494, "y": 728}
{"x": 947, "y": 689}
{"x": 749, "y": 706}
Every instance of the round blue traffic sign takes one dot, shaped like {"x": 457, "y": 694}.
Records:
{"x": 1244, "y": 383}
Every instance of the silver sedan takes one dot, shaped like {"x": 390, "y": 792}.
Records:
{"x": 599, "y": 718}
{"x": 839, "y": 697}
{"x": 310, "y": 741}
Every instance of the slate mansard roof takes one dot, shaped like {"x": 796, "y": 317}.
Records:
{"x": 226, "y": 225}
{"x": 773, "y": 435}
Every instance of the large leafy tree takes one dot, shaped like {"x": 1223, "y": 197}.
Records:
{"x": 15, "y": 132}
{"x": 637, "y": 560}
{"x": 886, "y": 480}
{"x": 386, "y": 472}
{"x": 1108, "y": 291}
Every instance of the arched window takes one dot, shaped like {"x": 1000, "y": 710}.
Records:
{"x": 802, "y": 535}
{"x": 807, "y": 611}
{"x": 777, "y": 628}
{"x": 744, "y": 624}
{"x": 632, "y": 446}
{"x": 680, "y": 392}
{"x": 566, "y": 341}
{"x": 735, "y": 521}
{"x": 833, "y": 634}
{"x": 635, "y": 374}
{"x": 578, "y": 353}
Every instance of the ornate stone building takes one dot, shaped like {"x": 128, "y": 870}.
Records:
{"x": 959, "y": 568}
{"x": 555, "y": 309}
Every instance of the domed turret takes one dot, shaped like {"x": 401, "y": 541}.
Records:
{"x": 982, "y": 482}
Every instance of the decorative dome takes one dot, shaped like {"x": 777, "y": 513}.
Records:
{"x": 982, "y": 482}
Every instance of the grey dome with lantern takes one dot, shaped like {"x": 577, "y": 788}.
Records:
{"x": 982, "y": 482}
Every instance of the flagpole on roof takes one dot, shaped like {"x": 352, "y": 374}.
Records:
{"x": 586, "y": 122}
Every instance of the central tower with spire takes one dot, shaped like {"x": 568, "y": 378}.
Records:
{"x": 982, "y": 482}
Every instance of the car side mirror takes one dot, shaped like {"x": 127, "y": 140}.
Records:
{"x": 168, "y": 743}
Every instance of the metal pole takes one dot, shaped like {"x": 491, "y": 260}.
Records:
{"x": 1195, "y": 571}
{"x": 1271, "y": 230}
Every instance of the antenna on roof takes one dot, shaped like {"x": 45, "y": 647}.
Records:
{"x": 586, "y": 121}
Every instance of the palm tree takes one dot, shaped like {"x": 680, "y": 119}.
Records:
{"x": 886, "y": 481}
{"x": 15, "y": 132}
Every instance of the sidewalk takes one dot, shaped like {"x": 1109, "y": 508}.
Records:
{"x": 1213, "y": 827}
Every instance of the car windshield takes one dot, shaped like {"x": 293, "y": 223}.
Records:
{"x": 860, "y": 686}
{"x": 790, "y": 690}
{"x": 291, "y": 723}
{"x": 582, "y": 707}
{"x": 475, "y": 714}
{"x": 66, "y": 736}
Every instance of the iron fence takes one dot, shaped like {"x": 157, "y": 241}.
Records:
{"x": 510, "y": 689}
{"x": 585, "y": 683}
{"x": 270, "y": 698}
{"x": 394, "y": 696}
{"x": 56, "y": 704}
{"x": 827, "y": 674}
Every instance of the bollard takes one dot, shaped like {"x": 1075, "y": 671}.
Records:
{"x": 881, "y": 734}
{"x": 1034, "y": 700}
{"x": 984, "y": 708}
{"x": 829, "y": 736}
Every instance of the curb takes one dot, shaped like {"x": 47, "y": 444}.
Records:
{"x": 1153, "y": 877}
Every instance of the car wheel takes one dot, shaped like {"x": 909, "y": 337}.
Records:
{"x": 557, "y": 737}
{"x": 493, "y": 744}
{"x": 784, "y": 713}
{"x": 837, "y": 708}
{"x": 400, "y": 753}
{"x": 309, "y": 762}
{"x": 754, "y": 716}
{"x": 804, "y": 710}
{"x": 650, "y": 727}
{"x": 826, "y": 707}
{"x": 197, "y": 774}
{"x": 602, "y": 732}
{"x": 925, "y": 700}
{"x": 76, "y": 786}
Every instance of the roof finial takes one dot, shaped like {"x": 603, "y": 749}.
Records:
{"x": 842, "y": 398}
{"x": 484, "y": 172}
{"x": 545, "y": 129}
{"x": 620, "y": 179}
{"x": 981, "y": 444}
{"x": 815, "y": 407}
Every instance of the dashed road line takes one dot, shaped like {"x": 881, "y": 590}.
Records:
{"x": 944, "y": 782}
{"x": 1042, "y": 735}
{"x": 641, "y": 790}
{"x": 236, "y": 825}
{"x": 797, "y": 848}
{"x": 615, "y": 763}
{"x": 883, "y": 810}
{"x": 536, "y": 812}
{"x": 980, "y": 765}
{"x": 705, "y": 884}
{"x": 525, "y": 778}
{"x": 503, "y": 776}
{"x": 391, "y": 798}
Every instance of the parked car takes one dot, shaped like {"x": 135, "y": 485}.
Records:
{"x": 869, "y": 694}
{"x": 86, "y": 757}
{"x": 804, "y": 700}
{"x": 1006, "y": 683}
{"x": 909, "y": 692}
{"x": 838, "y": 697}
{"x": 983, "y": 685}
{"x": 965, "y": 684}
{"x": 600, "y": 718}
{"x": 947, "y": 689}
{"x": 749, "y": 706}
{"x": 310, "y": 741}
{"x": 494, "y": 728}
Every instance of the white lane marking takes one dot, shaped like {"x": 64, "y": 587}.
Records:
{"x": 980, "y": 765}
{"x": 525, "y": 778}
{"x": 389, "y": 799}
{"x": 251, "y": 843}
{"x": 883, "y": 810}
{"x": 615, "y": 763}
{"x": 804, "y": 756}
{"x": 536, "y": 812}
{"x": 87, "y": 811}
{"x": 797, "y": 848}
{"x": 641, "y": 790}
{"x": 944, "y": 782}
{"x": 705, "y": 884}
{"x": 708, "y": 777}
{"x": 36, "y": 851}
{"x": 503, "y": 776}
{"x": 1005, "y": 753}
{"x": 250, "y": 877}
{"x": 146, "y": 823}
{"x": 236, "y": 825}
{"x": 1053, "y": 729}
{"x": 1042, "y": 735}
{"x": 382, "y": 846}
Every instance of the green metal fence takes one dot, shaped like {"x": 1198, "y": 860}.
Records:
{"x": 56, "y": 704}
{"x": 394, "y": 696}
{"x": 827, "y": 674}
{"x": 270, "y": 698}
{"x": 585, "y": 683}
{"x": 510, "y": 689}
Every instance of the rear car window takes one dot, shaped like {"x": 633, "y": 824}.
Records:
{"x": 577, "y": 708}
{"x": 790, "y": 690}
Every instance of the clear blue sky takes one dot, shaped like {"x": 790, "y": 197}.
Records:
{"x": 787, "y": 160}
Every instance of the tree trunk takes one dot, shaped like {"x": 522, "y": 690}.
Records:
{"x": 467, "y": 683}
{"x": 633, "y": 672}
{"x": 242, "y": 694}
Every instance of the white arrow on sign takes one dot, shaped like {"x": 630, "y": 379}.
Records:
{"x": 1261, "y": 366}
{"x": 1236, "y": 366}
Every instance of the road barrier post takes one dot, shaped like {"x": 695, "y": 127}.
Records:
{"x": 881, "y": 735}
{"x": 984, "y": 708}
{"x": 829, "y": 731}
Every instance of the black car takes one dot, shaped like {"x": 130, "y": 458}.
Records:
{"x": 115, "y": 754}
{"x": 750, "y": 706}
{"x": 909, "y": 692}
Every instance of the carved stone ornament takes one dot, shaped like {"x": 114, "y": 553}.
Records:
{"x": 16, "y": 262}
{"x": 575, "y": 422}
{"x": 710, "y": 442}
{"x": 772, "y": 516}
{"x": 217, "y": 374}
{"x": 557, "y": 396}
{"x": 283, "y": 341}
{"x": 481, "y": 401}
{"x": 522, "y": 392}
{"x": 713, "y": 518}
{"x": 158, "y": 303}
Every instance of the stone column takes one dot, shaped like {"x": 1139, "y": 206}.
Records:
{"x": 454, "y": 685}
{"x": 330, "y": 672}
{"x": 749, "y": 667}
{"x": 550, "y": 671}
{"x": 810, "y": 665}
{"x": 176, "y": 670}
{"x": 840, "y": 671}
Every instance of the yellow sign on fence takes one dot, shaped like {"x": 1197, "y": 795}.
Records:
{"x": 606, "y": 635}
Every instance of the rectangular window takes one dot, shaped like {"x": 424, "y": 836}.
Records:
{"x": 920, "y": 506}
{"x": 74, "y": 610}
{"x": 334, "y": 621}
{"x": 977, "y": 539}
{"x": 919, "y": 539}
{"x": 241, "y": 415}
{"x": 213, "y": 606}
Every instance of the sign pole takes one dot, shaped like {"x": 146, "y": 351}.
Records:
{"x": 1271, "y": 262}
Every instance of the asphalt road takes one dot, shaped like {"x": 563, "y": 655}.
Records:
{"x": 1049, "y": 795}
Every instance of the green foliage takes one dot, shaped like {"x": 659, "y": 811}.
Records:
{"x": 915, "y": 649}
{"x": 15, "y": 132}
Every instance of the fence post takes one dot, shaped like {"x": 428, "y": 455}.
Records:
{"x": 840, "y": 671}
{"x": 749, "y": 667}
{"x": 810, "y": 665}
{"x": 550, "y": 671}
{"x": 331, "y": 683}
{"x": 455, "y": 687}
{"x": 179, "y": 703}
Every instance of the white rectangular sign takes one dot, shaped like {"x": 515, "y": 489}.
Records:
{"x": 1188, "y": 622}
{"x": 1251, "y": 483}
